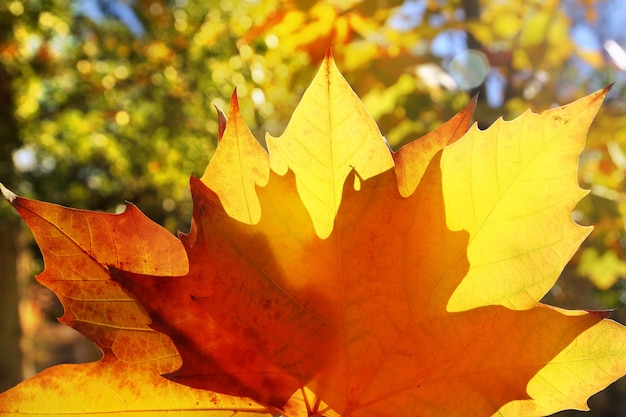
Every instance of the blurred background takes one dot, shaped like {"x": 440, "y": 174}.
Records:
{"x": 103, "y": 101}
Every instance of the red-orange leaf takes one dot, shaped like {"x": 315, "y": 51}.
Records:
{"x": 333, "y": 277}
{"x": 366, "y": 331}
{"x": 80, "y": 248}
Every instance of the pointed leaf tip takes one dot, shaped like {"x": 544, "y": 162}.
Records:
{"x": 221, "y": 123}
{"x": 603, "y": 314}
{"x": 222, "y": 120}
{"x": 237, "y": 167}
{"x": 9, "y": 195}
{"x": 329, "y": 52}
{"x": 234, "y": 102}
{"x": 329, "y": 134}
{"x": 473, "y": 102}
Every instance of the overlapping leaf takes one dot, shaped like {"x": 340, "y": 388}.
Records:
{"x": 79, "y": 249}
{"x": 378, "y": 283}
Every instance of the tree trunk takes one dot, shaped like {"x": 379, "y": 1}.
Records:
{"x": 10, "y": 330}
{"x": 10, "y": 227}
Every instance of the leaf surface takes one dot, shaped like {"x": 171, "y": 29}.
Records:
{"x": 334, "y": 277}
{"x": 591, "y": 362}
{"x": 513, "y": 188}
{"x": 362, "y": 316}
{"x": 114, "y": 387}
{"x": 80, "y": 248}
{"x": 400, "y": 350}
{"x": 237, "y": 167}
{"x": 329, "y": 135}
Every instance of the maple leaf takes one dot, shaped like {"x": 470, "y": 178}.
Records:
{"x": 384, "y": 300}
{"x": 79, "y": 249}
{"x": 336, "y": 277}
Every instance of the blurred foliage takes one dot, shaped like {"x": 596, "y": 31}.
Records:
{"x": 107, "y": 116}
{"x": 108, "y": 111}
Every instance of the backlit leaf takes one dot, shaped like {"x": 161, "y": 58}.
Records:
{"x": 79, "y": 249}
{"x": 514, "y": 190}
{"x": 334, "y": 277}
{"x": 329, "y": 135}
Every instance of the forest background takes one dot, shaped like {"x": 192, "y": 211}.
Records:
{"x": 106, "y": 101}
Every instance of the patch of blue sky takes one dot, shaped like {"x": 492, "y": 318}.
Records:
{"x": 449, "y": 43}
{"x": 585, "y": 37}
{"x": 409, "y": 16}
{"x": 99, "y": 10}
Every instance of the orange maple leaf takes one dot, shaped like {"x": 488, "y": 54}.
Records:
{"x": 79, "y": 249}
{"x": 356, "y": 292}
{"x": 378, "y": 283}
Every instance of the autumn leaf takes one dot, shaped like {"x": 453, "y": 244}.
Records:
{"x": 245, "y": 161}
{"x": 315, "y": 146}
{"x": 332, "y": 276}
{"x": 357, "y": 299}
{"x": 79, "y": 249}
